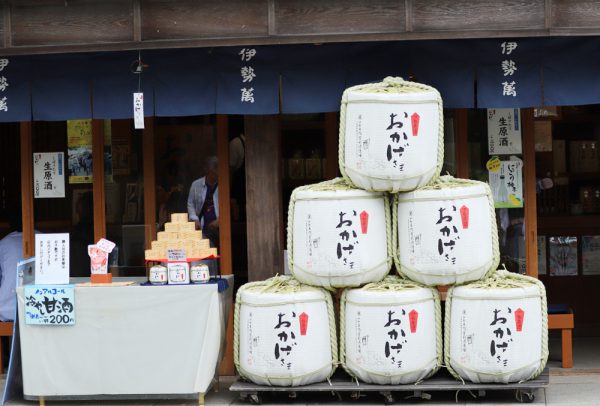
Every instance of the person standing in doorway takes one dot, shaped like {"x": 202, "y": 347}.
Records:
{"x": 203, "y": 202}
{"x": 11, "y": 251}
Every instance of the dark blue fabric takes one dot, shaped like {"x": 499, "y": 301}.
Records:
{"x": 113, "y": 85}
{"x": 558, "y": 308}
{"x": 491, "y": 77}
{"x": 571, "y": 71}
{"x": 372, "y": 62}
{"x": 313, "y": 78}
{"x": 60, "y": 87}
{"x": 222, "y": 284}
{"x": 264, "y": 87}
{"x": 184, "y": 82}
{"x": 18, "y": 91}
{"x": 447, "y": 66}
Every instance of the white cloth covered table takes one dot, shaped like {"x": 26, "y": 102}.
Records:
{"x": 128, "y": 340}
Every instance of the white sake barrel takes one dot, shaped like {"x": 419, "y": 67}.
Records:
{"x": 496, "y": 330}
{"x": 391, "y": 135}
{"x": 284, "y": 333}
{"x": 338, "y": 236}
{"x": 391, "y": 332}
{"x": 446, "y": 233}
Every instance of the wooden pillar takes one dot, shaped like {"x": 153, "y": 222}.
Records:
{"x": 529, "y": 195}
{"x": 224, "y": 195}
{"x": 461, "y": 134}
{"x": 331, "y": 145}
{"x": 98, "y": 179}
{"x": 149, "y": 181}
{"x": 27, "y": 189}
{"x": 263, "y": 197}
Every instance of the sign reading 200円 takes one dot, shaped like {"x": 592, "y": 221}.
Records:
{"x": 50, "y": 304}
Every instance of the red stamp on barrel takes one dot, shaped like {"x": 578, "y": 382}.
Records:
{"x": 303, "y": 323}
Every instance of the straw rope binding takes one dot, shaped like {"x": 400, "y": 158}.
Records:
{"x": 392, "y": 283}
{"x": 501, "y": 279}
{"x": 389, "y": 85}
{"x": 333, "y": 185}
{"x": 283, "y": 285}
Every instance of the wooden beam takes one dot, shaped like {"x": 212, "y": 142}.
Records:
{"x": 27, "y": 189}
{"x": 263, "y": 197}
{"x": 331, "y": 145}
{"x": 149, "y": 181}
{"x": 461, "y": 134}
{"x": 98, "y": 179}
{"x": 226, "y": 368}
{"x": 224, "y": 195}
{"x": 529, "y": 195}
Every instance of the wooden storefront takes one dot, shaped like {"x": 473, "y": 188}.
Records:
{"x": 57, "y": 27}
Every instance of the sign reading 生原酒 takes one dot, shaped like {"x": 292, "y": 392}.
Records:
{"x": 48, "y": 175}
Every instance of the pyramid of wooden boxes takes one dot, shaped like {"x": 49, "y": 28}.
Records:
{"x": 180, "y": 234}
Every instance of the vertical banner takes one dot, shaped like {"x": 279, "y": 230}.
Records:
{"x": 48, "y": 175}
{"x": 506, "y": 182}
{"x": 138, "y": 111}
{"x": 504, "y": 131}
{"x": 52, "y": 259}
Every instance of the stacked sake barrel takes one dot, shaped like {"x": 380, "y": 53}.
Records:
{"x": 284, "y": 333}
{"x": 341, "y": 234}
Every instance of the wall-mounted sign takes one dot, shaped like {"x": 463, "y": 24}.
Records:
{"x": 51, "y": 259}
{"x": 506, "y": 182}
{"x": 48, "y": 175}
{"x": 504, "y": 131}
{"x": 50, "y": 305}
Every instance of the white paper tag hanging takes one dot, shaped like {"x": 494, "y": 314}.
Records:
{"x": 138, "y": 110}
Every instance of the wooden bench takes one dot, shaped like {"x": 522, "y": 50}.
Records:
{"x": 6, "y": 330}
{"x": 564, "y": 322}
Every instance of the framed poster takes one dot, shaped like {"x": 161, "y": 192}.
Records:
{"x": 590, "y": 254}
{"x": 562, "y": 258}
{"x": 506, "y": 182}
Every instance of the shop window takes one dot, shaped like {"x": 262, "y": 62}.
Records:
{"x": 449, "y": 167}
{"x": 124, "y": 197}
{"x": 72, "y": 211}
{"x": 496, "y": 156}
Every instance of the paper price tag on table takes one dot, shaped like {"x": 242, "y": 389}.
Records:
{"x": 176, "y": 255}
{"x": 50, "y": 305}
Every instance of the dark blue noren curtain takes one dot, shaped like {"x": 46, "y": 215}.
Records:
{"x": 184, "y": 82}
{"x": 258, "y": 66}
{"x": 60, "y": 87}
{"x": 447, "y": 66}
{"x": 499, "y": 84}
{"x": 313, "y": 77}
{"x": 15, "y": 89}
{"x": 571, "y": 71}
{"x": 113, "y": 85}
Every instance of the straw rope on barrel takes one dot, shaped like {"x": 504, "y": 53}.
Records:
{"x": 419, "y": 358}
{"x": 418, "y": 159}
{"x": 426, "y": 211}
{"x": 281, "y": 293}
{"x": 321, "y": 206}
{"x": 500, "y": 288}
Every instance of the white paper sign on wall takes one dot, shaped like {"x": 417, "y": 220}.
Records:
{"x": 51, "y": 259}
{"x": 48, "y": 175}
{"x": 504, "y": 131}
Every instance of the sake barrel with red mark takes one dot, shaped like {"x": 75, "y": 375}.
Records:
{"x": 391, "y": 135}
{"x": 338, "y": 236}
{"x": 391, "y": 332}
{"x": 496, "y": 330}
{"x": 284, "y": 333}
{"x": 445, "y": 233}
